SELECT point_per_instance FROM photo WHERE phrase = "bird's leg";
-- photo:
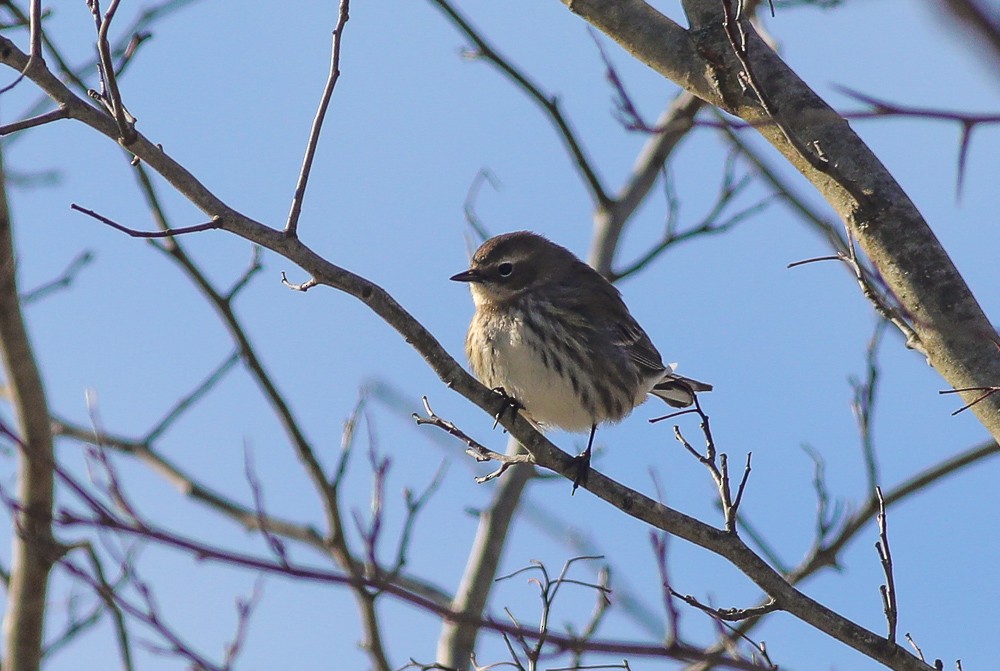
(581, 462)
(510, 404)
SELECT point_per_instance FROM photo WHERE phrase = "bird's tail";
(678, 391)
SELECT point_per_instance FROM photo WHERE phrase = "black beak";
(470, 275)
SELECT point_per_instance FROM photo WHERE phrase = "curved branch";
(548, 103)
(108, 521)
(826, 554)
(546, 455)
(946, 317)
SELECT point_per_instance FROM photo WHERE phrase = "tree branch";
(548, 103)
(818, 142)
(457, 640)
(34, 548)
(543, 451)
(292, 225)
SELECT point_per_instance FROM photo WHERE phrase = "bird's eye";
(505, 269)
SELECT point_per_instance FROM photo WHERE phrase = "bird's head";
(513, 264)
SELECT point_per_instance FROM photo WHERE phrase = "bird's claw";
(581, 464)
(510, 404)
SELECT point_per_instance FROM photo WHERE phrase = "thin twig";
(244, 610)
(548, 103)
(717, 465)
(863, 404)
(874, 289)
(65, 279)
(469, 206)
(713, 223)
(110, 95)
(291, 227)
(274, 543)
(415, 504)
(35, 121)
(729, 614)
(256, 265)
(888, 590)
(215, 223)
(659, 543)
(984, 392)
(303, 287)
(476, 450)
(967, 122)
(192, 397)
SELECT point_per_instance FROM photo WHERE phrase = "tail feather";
(678, 391)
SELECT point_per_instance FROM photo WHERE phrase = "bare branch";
(826, 551)
(967, 122)
(414, 505)
(659, 543)
(676, 121)
(303, 287)
(34, 548)
(548, 103)
(244, 609)
(888, 590)
(863, 404)
(207, 226)
(874, 289)
(256, 265)
(984, 392)
(718, 469)
(191, 398)
(712, 223)
(978, 16)
(65, 279)
(105, 591)
(107, 520)
(291, 227)
(476, 450)
(728, 614)
(469, 207)
(35, 121)
(890, 229)
(544, 453)
(110, 96)
(187, 484)
(273, 542)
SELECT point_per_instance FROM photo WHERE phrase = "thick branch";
(945, 315)
(34, 548)
(610, 219)
(458, 639)
(544, 452)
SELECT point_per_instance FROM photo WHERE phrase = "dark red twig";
(215, 223)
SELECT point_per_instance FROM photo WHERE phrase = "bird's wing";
(606, 314)
(640, 348)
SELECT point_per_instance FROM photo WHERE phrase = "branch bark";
(34, 547)
(458, 638)
(953, 331)
(721, 542)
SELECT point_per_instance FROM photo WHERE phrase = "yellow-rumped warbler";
(555, 336)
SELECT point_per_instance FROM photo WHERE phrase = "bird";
(554, 336)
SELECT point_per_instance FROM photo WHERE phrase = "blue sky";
(231, 93)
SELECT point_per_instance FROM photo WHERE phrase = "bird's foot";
(509, 404)
(581, 464)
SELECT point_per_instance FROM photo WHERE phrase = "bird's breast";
(549, 376)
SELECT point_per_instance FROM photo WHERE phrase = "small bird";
(553, 335)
